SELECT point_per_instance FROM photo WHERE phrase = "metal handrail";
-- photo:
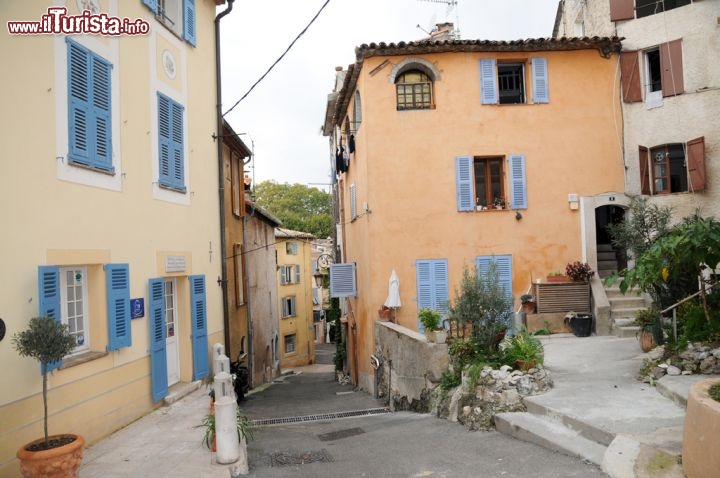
(680, 302)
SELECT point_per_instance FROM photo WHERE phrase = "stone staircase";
(622, 306)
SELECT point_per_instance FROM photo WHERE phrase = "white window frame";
(653, 99)
(65, 315)
(288, 307)
(170, 14)
(170, 291)
(294, 343)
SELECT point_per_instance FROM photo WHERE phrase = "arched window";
(414, 90)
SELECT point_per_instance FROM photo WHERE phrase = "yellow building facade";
(110, 211)
(295, 284)
(457, 153)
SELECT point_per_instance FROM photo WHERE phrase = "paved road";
(166, 443)
(383, 444)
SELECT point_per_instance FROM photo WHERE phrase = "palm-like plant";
(46, 340)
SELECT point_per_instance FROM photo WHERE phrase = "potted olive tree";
(47, 340)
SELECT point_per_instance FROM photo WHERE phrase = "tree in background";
(299, 207)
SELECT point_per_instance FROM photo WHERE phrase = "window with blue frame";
(177, 15)
(481, 184)
(89, 109)
(171, 143)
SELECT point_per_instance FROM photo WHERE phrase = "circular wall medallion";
(168, 63)
(92, 5)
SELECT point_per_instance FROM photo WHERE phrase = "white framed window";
(73, 296)
(290, 274)
(291, 248)
(170, 306)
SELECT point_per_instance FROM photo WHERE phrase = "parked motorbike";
(241, 377)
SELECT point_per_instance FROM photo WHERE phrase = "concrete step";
(626, 331)
(606, 256)
(604, 265)
(624, 322)
(551, 434)
(627, 302)
(614, 291)
(622, 313)
(603, 273)
(605, 248)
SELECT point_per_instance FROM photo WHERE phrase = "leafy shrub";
(430, 319)
(449, 380)
(579, 271)
(715, 392)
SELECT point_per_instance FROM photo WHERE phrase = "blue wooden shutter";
(101, 105)
(488, 81)
(89, 118)
(198, 308)
(158, 357)
(49, 298)
(152, 5)
(117, 279)
(189, 21)
(282, 275)
(283, 303)
(541, 91)
(297, 274)
(518, 182)
(503, 266)
(342, 280)
(431, 277)
(170, 132)
(464, 183)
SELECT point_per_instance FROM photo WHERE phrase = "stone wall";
(410, 367)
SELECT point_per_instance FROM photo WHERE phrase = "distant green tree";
(299, 207)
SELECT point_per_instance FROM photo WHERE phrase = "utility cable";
(279, 58)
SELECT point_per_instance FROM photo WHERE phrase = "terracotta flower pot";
(59, 462)
(647, 340)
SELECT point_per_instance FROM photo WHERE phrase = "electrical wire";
(279, 58)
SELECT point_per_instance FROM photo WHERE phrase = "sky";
(282, 117)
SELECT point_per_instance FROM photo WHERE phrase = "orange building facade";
(455, 153)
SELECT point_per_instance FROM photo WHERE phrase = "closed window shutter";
(696, 164)
(284, 307)
(282, 275)
(503, 267)
(117, 279)
(199, 326)
(152, 5)
(671, 68)
(630, 76)
(541, 89)
(297, 274)
(292, 306)
(488, 81)
(431, 276)
(89, 121)
(189, 21)
(622, 10)
(342, 280)
(644, 170)
(518, 183)
(158, 357)
(170, 132)
(49, 299)
(464, 183)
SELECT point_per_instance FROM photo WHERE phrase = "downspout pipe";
(221, 177)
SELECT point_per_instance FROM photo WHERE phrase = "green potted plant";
(523, 350)
(47, 340)
(430, 320)
(244, 429)
(579, 271)
(528, 303)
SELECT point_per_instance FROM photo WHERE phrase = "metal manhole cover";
(349, 432)
(289, 459)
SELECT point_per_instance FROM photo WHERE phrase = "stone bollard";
(226, 437)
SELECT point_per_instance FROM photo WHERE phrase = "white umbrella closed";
(393, 299)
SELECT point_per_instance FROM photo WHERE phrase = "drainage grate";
(289, 459)
(316, 418)
(348, 432)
